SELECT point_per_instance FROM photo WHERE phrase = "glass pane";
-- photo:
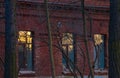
(25, 54)
(22, 33)
(25, 37)
(22, 39)
(98, 39)
(99, 51)
(29, 40)
(28, 33)
(67, 38)
(67, 42)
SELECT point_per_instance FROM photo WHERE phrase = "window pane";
(99, 51)
(67, 45)
(25, 50)
(67, 38)
(98, 39)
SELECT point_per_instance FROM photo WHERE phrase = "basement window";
(25, 51)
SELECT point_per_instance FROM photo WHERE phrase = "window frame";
(74, 48)
(104, 49)
(32, 50)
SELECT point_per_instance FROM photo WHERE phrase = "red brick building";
(68, 36)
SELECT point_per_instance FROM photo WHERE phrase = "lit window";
(67, 44)
(25, 54)
(98, 39)
(67, 40)
(99, 53)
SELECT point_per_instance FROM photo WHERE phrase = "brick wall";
(34, 19)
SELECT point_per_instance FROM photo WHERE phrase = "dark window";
(25, 50)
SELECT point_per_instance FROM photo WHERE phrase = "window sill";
(67, 73)
(26, 73)
(101, 72)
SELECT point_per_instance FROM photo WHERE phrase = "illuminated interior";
(25, 37)
(98, 39)
(67, 40)
(25, 50)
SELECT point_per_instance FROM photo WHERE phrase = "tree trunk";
(114, 39)
(91, 74)
(50, 40)
(10, 40)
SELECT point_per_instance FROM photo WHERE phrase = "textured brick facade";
(31, 16)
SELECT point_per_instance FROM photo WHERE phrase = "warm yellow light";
(25, 37)
(29, 46)
(67, 40)
(22, 39)
(29, 40)
(21, 33)
(29, 33)
(70, 48)
(98, 39)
